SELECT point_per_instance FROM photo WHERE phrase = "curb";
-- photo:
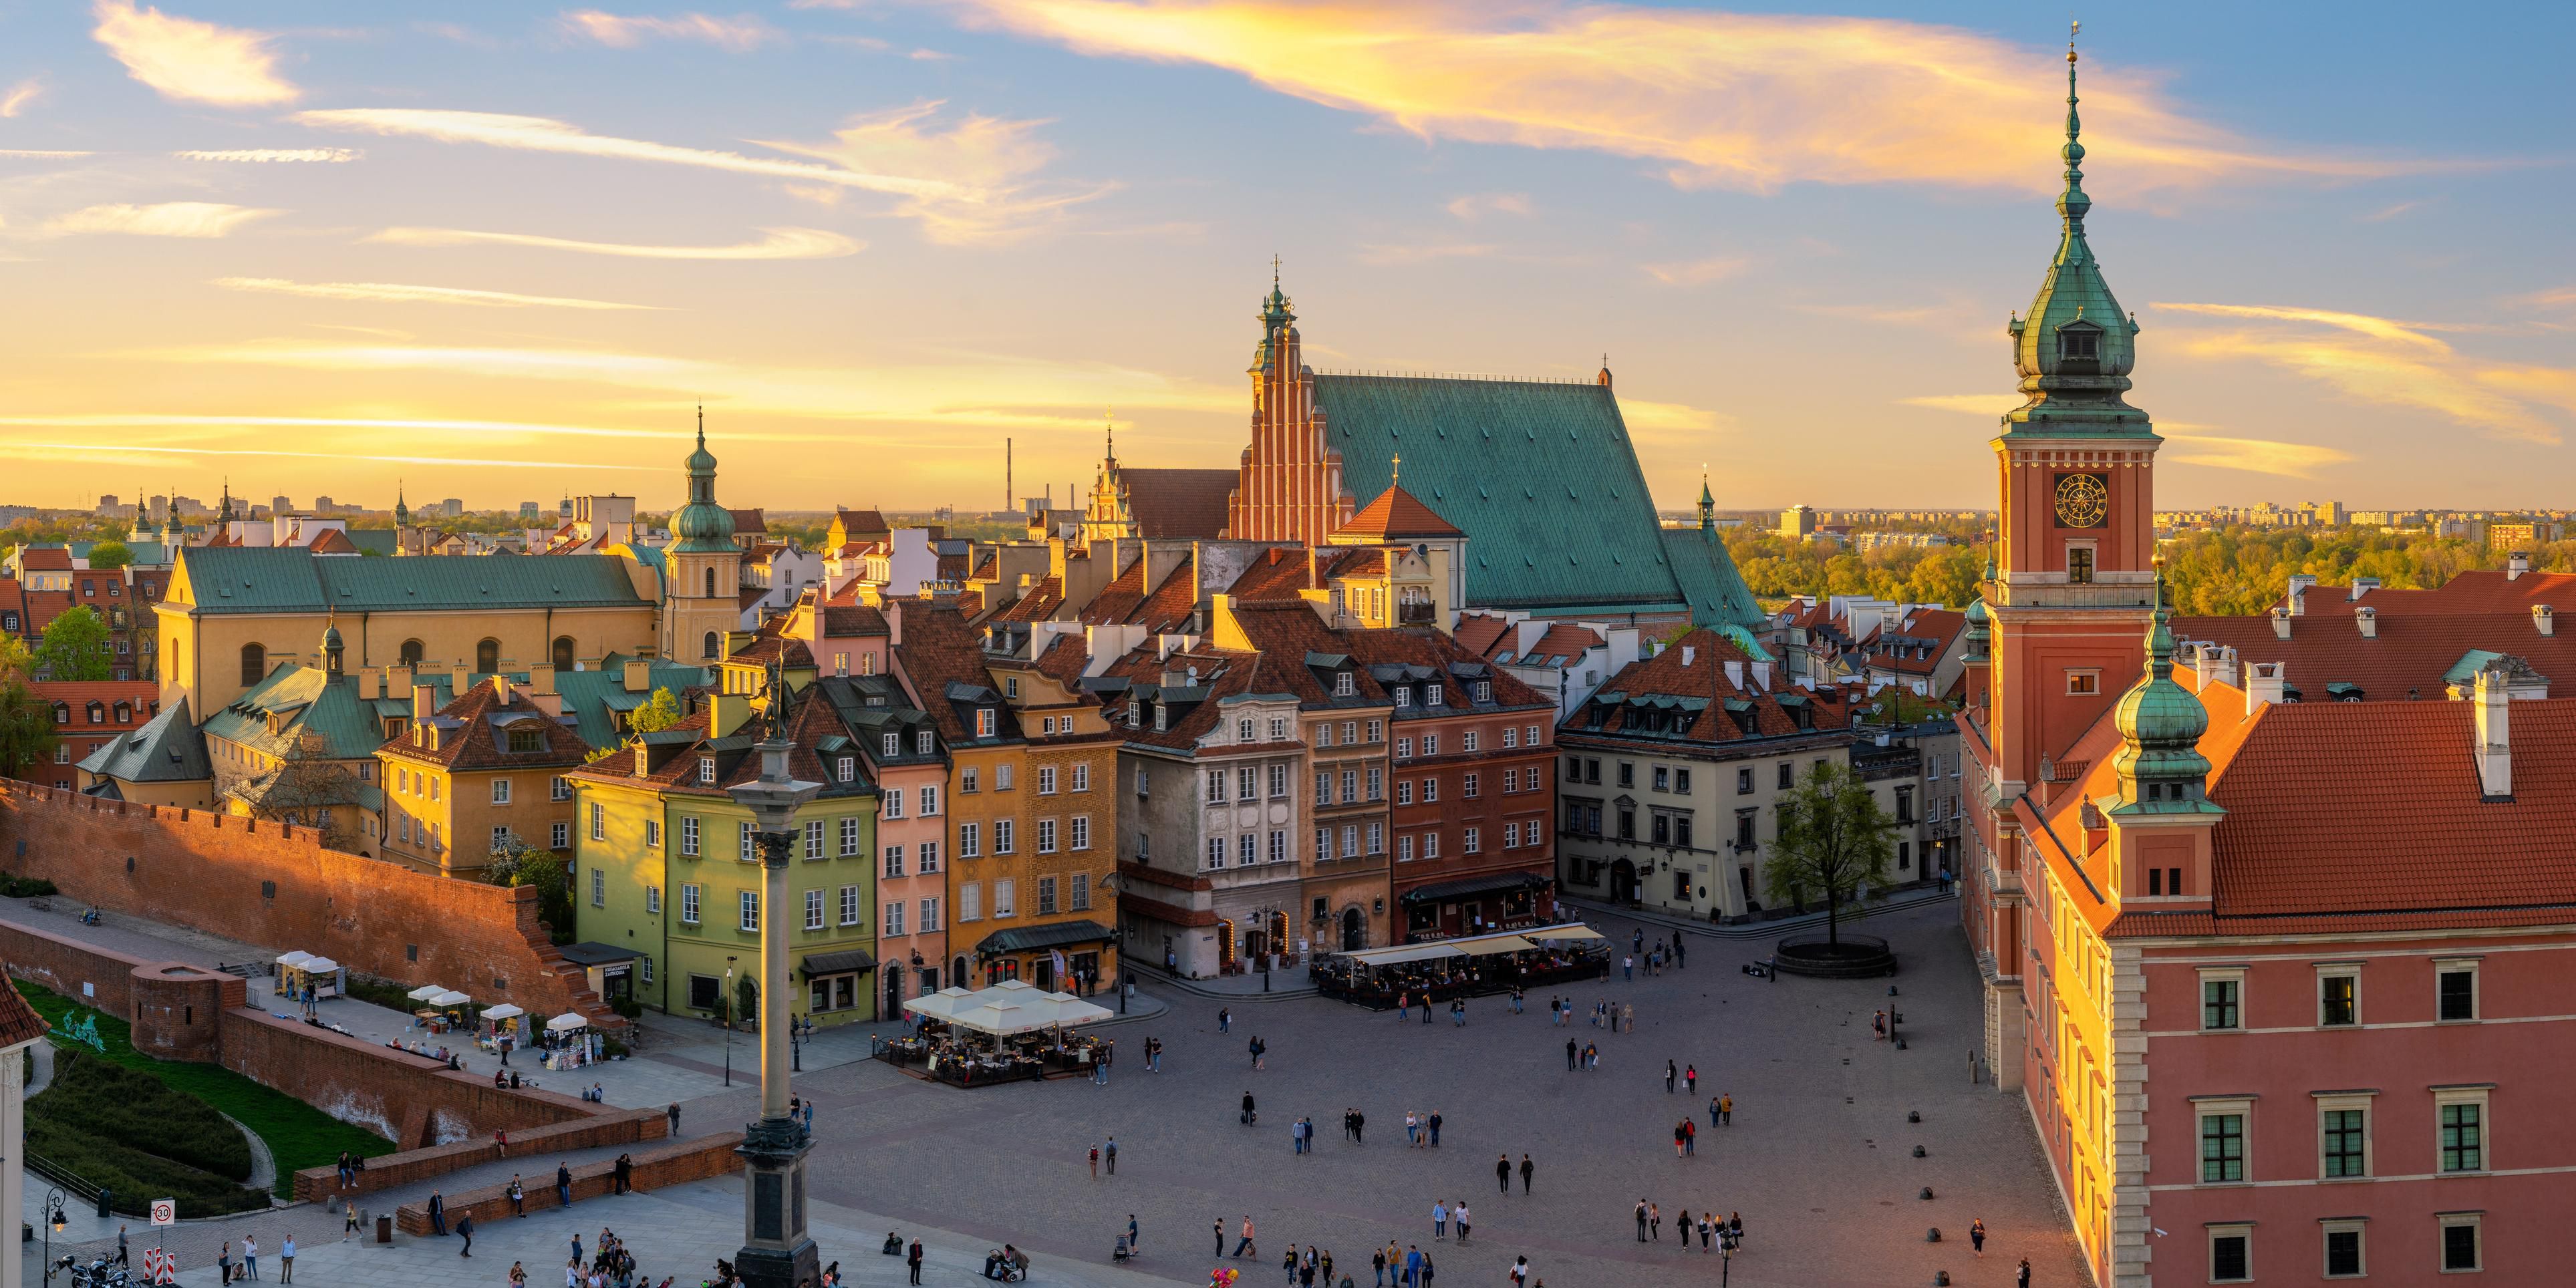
(1196, 989)
(1762, 929)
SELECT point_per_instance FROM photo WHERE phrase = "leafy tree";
(1834, 840)
(746, 1002)
(661, 713)
(15, 657)
(27, 733)
(516, 863)
(75, 646)
(109, 555)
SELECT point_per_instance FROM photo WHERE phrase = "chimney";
(2298, 594)
(1762, 676)
(2264, 682)
(371, 682)
(2281, 621)
(732, 709)
(460, 677)
(1689, 652)
(2516, 564)
(398, 682)
(424, 702)
(639, 676)
(1734, 673)
(501, 689)
(2367, 618)
(2362, 586)
(2495, 744)
(541, 678)
(2544, 619)
(2227, 665)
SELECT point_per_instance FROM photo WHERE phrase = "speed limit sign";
(165, 1211)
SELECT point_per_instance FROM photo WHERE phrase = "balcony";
(1417, 613)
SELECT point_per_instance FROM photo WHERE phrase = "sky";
(501, 251)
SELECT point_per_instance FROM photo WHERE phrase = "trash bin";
(384, 1229)
(102, 1205)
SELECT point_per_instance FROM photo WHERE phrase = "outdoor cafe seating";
(1444, 970)
(1010, 1032)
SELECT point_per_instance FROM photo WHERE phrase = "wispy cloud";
(1697, 272)
(1746, 101)
(93, 453)
(40, 153)
(2556, 297)
(740, 34)
(965, 183)
(186, 59)
(167, 219)
(264, 156)
(2254, 455)
(1477, 205)
(170, 420)
(781, 243)
(396, 293)
(2392, 211)
(2390, 363)
(16, 98)
(1972, 404)
(1401, 253)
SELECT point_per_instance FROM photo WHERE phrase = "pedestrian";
(1503, 1173)
(1289, 1264)
(1248, 1115)
(1570, 1052)
(1377, 1263)
(1359, 1128)
(624, 1174)
(1655, 1221)
(1690, 1080)
(224, 1262)
(1220, 1236)
(1671, 1072)
(1526, 1169)
(1690, 1137)
(285, 1258)
(1628, 968)
(1095, 1162)
(1677, 1138)
(1517, 997)
(518, 1275)
(518, 1196)
(1977, 1235)
(1099, 1070)
(2022, 1280)
(465, 1228)
(1412, 1128)
(563, 1184)
(1439, 1221)
(1435, 1129)
(120, 1246)
(1520, 1272)
(250, 1257)
(1413, 1264)
(1704, 1227)
(1224, 1020)
(1641, 1220)
(1678, 963)
(1134, 1243)
(349, 1224)
(1246, 1245)
(1460, 1212)
(1403, 1003)
(912, 1259)
(1629, 1012)
(1878, 1026)
(1113, 1156)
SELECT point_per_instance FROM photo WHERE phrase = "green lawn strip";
(297, 1134)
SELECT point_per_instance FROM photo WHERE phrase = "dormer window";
(849, 768)
(1011, 687)
(1484, 691)
(921, 743)
(1243, 730)
(1342, 685)
(706, 769)
(2080, 340)
(526, 740)
(983, 722)
(1403, 696)
(893, 742)
(1431, 695)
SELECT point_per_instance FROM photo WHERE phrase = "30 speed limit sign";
(165, 1211)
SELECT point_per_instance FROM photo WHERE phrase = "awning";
(840, 963)
(1490, 883)
(321, 966)
(593, 953)
(451, 998)
(1501, 944)
(294, 960)
(1020, 939)
(1563, 932)
(1404, 953)
(426, 992)
(567, 1022)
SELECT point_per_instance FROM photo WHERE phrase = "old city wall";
(674, 1164)
(270, 883)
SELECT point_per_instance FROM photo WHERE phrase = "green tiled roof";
(1543, 479)
(312, 702)
(255, 579)
(1706, 572)
(167, 749)
(380, 540)
(591, 695)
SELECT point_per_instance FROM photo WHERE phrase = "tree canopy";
(27, 733)
(108, 556)
(657, 715)
(74, 646)
(1835, 842)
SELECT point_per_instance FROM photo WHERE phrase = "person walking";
(1412, 1129)
(2022, 1279)
(1641, 1220)
(1671, 1072)
(1435, 1129)
(1403, 1004)
(1113, 1155)
(120, 1246)
(1690, 1081)
(1256, 1048)
(912, 1258)
(1712, 1111)
(1246, 1244)
(1439, 1221)
(224, 1263)
(563, 1184)
(1628, 968)
(1517, 998)
(1977, 1235)
(1520, 1272)
(1359, 1128)
(1413, 1262)
(1630, 1013)
(1224, 1020)
(1248, 1117)
(1690, 1137)
(1726, 1108)
(465, 1228)
(285, 1260)
(1677, 1137)
(1503, 1173)
(1460, 1212)
(1705, 1226)
(1677, 950)
(1655, 1222)
(625, 1170)
(1219, 1225)
(1095, 1162)
(1526, 1169)
(1571, 1050)
(1377, 1263)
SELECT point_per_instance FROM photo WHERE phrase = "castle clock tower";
(2070, 596)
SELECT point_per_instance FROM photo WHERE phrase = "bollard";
(1927, 1191)
(1918, 1151)
(1932, 1235)
(1913, 1116)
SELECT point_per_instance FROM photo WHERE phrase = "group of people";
(1603, 1014)
(1716, 1233)
(246, 1267)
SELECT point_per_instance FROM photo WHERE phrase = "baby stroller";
(1122, 1251)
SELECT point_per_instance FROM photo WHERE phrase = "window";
(892, 745)
(1468, 842)
(1467, 785)
(1376, 731)
(2462, 1113)
(1431, 744)
(1278, 781)
(814, 839)
(1323, 787)
(1404, 748)
(893, 807)
(970, 840)
(254, 664)
(1002, 840)
(1511, 836)
(706, 992)
(2222, 1142)
(750, 910)
(706, 769)
(927, 856)
(2343, 1250)
(1342, 684)
(1788, 776)
(849, 768)
(689, 904)
(560, 789)
(2079, 565)
(2461, 1245)
(970, 902)
(652, 901)
(1002, 777)
(2343, 1131)
(849, 836)
(1243, 730)
(921, 745)
(928, 920)
(1216, 787)
(1376, 784)
(1046, 896)
(598, 887)
(742, 832)
(849, 905)
(1430, 790)
(1663, 779)
(1278, 728)
(1350, 840)
(1046, 836)
(1002, 899)
(1377, 838)
(2338, 996)
(894, 860)
(559, 834)
(1278, 847)
(1403, 696)
(1011, 687)
(1432, 695)
(1529, 735)
(930, 802)
(2082, 683)
(598, 821)
(894, 916)
(1350, 786)
(1216, 852)
(1323, 845)
(487, 656)
(1404, 849)
(2455, 990)
(1081, 892)
(689, 837)
(2231, 1254)
(813, 910)
(1081, 778)
(1046, 780)
(2079, 343)
(2221, 999)
(983, 722)
(1744, 782)
(968, 779)
(1080, 832)
(1467, 741)
(1404, 791)
(1511, 737)
(1247, 849)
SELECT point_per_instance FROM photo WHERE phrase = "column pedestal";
(776, 1250)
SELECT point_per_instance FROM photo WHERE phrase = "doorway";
(893, 995)
(1354, 930)
(1623, 882)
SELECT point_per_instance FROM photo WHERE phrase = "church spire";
(1707, 499)
(2159, 762)
(2072, 203)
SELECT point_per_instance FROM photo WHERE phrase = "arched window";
(711, 583)
(487, 656)
(254, 663)
(563, 653)
(411, 652)
(708, 649)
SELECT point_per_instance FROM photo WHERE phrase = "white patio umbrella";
(567, 1022)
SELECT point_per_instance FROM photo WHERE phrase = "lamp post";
(725, 1005)
(53, 1212)
(776, 1252)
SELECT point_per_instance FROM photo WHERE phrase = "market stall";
(1440, 971)
(289, 982)
(569, 1042)
(498, 1027)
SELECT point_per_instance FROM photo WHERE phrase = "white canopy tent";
(505, 1011)
(426, 992)
(567, 1022)
(294, 960)
(320, 966)
(451, 998)
(1070, 1011)
(1406, 953)
(999, 1018)
(1570, 930)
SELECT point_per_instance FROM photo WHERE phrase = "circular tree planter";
(1853, 957)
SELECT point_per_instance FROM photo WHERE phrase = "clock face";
(2082, 500)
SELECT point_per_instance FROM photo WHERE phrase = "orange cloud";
(18, 96)
(739, 34)
(168, 219)
(1714, 99)
(191, 60)
(398, 293)
(781, 243)
(2389, 362)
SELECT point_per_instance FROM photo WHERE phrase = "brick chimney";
(2544, 619)
(2281, 622)
(424, 702)
(2516, 564)
(2367, 618)
(2264, 682)
(2495, 743)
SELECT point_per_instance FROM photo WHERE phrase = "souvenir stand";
(290, 982)
(570, 1042)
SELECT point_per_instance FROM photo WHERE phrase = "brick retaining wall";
(692, 1160)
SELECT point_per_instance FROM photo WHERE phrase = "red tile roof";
(1936, 627)
(2485, 590)
(1694, 667)
(1398, 515)
(1563, 640)
(1126, 601)
(45, 559)
(2410, 652)
(1419, 647)
(477, 742)
(1482, 633)
(332, 542)
(1178, 503)
(748, 520)
(841, 621)
(19, 1023)
(1044, 597)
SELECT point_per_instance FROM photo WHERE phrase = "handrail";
(62, 1176)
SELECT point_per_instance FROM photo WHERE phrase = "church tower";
(1291, 484)
(1108, 517)
(701, 568)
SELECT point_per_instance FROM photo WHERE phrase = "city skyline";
(502, 255)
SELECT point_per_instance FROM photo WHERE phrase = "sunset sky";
(499, 251)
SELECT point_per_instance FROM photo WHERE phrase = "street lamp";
(776, 1252)
(725, 1007)
(53, 1210)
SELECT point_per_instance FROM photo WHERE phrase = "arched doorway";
(563, 653)
(254, 659)
(1225, 946)
(1279, 940)
(893, 995)
(1256, 941)
(1354, 930)
(1623, 882)
(411, 653)
(487, 656)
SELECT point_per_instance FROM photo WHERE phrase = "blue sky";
(498, 252)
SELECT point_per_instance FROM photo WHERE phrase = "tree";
(1834, 839)
(661, 713)
(516, 863)
(27, 733)
(308, 789)
(15, 657)
(75, 646)
(108, 556)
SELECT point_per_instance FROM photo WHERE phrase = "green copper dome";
(2159, 762)
(2075, 350)
(702, 526)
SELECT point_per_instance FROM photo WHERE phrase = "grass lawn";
(297, 1134)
